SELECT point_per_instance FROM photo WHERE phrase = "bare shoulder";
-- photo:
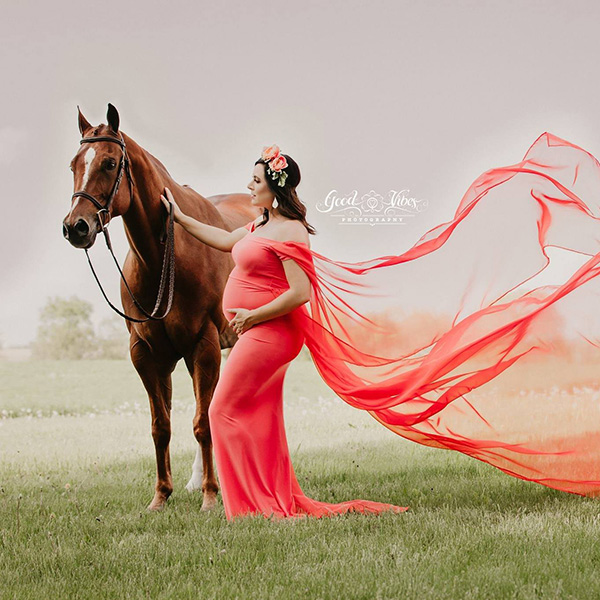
(295, 231)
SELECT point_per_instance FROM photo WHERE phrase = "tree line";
(66, 331)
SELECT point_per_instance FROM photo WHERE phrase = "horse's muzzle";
(79, 234)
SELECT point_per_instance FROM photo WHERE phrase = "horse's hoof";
(157, 504)
(209, 502)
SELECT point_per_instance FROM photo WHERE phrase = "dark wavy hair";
(289, 205)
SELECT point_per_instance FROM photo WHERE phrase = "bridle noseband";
(168, 238)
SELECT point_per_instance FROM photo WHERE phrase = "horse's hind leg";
(156, 377)
(195, 482)
(203, 364)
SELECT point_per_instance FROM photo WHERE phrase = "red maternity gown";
(420, 338)
(246, 413)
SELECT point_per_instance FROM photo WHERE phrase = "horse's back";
(235, 209)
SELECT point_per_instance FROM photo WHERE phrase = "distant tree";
(112, 341)
(65, 330)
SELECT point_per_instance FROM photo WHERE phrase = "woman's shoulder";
(295, 231)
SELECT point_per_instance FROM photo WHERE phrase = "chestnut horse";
(195, 328)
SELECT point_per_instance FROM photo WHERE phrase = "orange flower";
(270, 152)
(278, 163)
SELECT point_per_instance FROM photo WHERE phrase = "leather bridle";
(103, 216)
(123, 167)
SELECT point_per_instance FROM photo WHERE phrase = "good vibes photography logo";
(396, 207)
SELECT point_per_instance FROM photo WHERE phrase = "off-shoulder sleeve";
(281, 255)
(285, 251)
(249, 226)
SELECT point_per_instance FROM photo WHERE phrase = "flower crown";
(276, 164)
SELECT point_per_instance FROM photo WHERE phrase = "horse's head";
(98, 167)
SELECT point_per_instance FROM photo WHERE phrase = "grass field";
(77, 471)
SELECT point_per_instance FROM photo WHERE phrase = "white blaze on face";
(88, 158)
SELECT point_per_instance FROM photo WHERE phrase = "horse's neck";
(144, 220)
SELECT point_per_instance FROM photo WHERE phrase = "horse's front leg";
(156, 377)
(203, 364)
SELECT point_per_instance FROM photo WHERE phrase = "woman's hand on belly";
(280, 306)
(243, 320)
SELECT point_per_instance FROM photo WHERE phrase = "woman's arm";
(213, 236)
(297, 295)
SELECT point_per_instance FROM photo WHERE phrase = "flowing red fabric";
(416, 338)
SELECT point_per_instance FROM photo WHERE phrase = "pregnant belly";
(241, 293)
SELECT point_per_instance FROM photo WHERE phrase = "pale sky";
(377, 96)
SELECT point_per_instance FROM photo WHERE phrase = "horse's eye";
(110, 164)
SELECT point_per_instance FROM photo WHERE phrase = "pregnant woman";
(264, 301)
(411, 337)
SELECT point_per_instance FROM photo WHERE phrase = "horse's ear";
(112, 116)
(83, 123)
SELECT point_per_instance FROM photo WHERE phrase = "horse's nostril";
(81, 227)
(65, 232)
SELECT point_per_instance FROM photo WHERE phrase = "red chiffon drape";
(418, 338)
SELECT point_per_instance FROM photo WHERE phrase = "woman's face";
(262, 196)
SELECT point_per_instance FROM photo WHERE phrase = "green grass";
(74, 486)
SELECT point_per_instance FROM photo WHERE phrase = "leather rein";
(103, 216)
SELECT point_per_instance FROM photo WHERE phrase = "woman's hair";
(289, 205)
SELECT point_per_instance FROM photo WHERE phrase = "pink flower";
(270, 152)
(278, 163)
